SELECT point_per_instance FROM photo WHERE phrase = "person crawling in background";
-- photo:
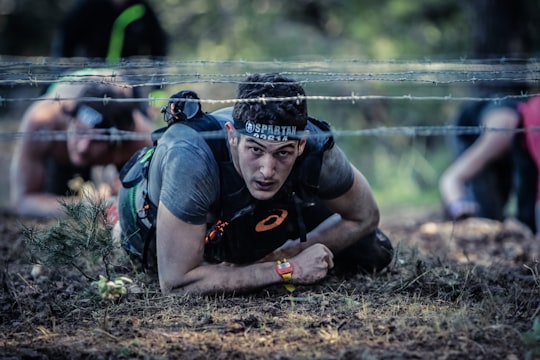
(492, 166)
(43, 169)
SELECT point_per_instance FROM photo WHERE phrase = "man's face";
(83, 148)
(264, 164)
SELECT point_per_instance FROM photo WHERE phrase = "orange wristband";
(285, 270)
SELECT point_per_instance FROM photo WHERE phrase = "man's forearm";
(451, 188)
(42, 205)
(307, 267)
(338, 233)
(226, 278)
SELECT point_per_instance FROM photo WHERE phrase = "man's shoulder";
(44, 115)
(180, 133)
(182, 139)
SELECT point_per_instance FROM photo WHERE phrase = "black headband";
(268, 132)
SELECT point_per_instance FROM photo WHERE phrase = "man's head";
(107, 111)
(270, 119)
(267, 135)
(92, 118)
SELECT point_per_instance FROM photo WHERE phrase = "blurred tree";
(270, 29)
(111, 30)
(501, 28)
(26, 25)
(506, 30)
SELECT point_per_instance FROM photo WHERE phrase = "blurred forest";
(334, 37)
(281, 29)
(302, 29)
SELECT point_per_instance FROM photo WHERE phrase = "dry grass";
(432, 304)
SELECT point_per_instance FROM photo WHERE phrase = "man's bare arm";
(357, 215)
(489, 146)
(180, 248)
(27, 183)
(28, 168)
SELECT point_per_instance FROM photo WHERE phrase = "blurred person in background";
(44, 170)
(110, 30)
(492, 165)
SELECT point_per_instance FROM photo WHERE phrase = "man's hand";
(462, 209)
(312, 264)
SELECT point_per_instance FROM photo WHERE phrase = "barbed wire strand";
(410, 131)
(31, 71)
(353, 97)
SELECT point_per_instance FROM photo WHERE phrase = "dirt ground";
(468, 290)
(454, 291)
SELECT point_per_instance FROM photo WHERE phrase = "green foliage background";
(310, 35)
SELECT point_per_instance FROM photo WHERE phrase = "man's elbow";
(18, 210)
(166, 289)
(18, 206)
(168, 286)
(374, 218)
(170, 289)
(30, 206)
(175, 287)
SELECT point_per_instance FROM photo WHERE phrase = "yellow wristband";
(285, 270)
